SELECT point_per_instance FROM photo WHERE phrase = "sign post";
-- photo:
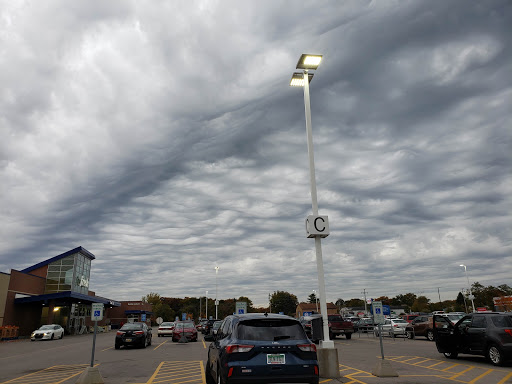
(96, 314)
(383, 368)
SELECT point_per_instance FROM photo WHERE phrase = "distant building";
(305, 309)
(55, 290)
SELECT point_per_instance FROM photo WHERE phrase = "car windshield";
(166, 324)
(46, 327)
(270, 330)
(502, 321)
(131, 327)
(400, 321)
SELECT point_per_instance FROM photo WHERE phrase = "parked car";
(337, 326)
(166, 329)
(422, 326)
(409, 318)
(364, 324)
(454, 317)
(48, 332)
(261, 348)
(200, 326)
(208, 326)
(488, 334)
(392, 327)
(133, 334)
(216, 327)
(184, 327)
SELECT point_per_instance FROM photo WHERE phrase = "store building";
(53, 291)
(130, 311)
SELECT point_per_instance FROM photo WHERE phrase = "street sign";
(241, 307)
(96, 311)
(378, 312)
(307, 313)
(159, 320)
(143, 317)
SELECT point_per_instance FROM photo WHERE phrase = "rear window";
(270, 330)
(131, 327)
(334, 317)
(399, 321)
(502, 321)
(166, 324)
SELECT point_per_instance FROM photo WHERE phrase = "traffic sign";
(241, 307)
(97, 311)
(378, 312)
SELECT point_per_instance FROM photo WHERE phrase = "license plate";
(275, 358)
(128, 340)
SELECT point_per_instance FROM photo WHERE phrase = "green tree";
(421, 304)
(312, 298)
(354, 303)
(163, 310)
(151, 298)
(340, 303)
(285, 302)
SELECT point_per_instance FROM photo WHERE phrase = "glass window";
(270, 330)
(478, 322)
(502, 321)
(70, 260)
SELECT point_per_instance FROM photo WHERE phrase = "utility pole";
(439, 294)
(365, 306)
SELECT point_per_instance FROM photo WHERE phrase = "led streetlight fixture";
(308, 61)
(297, 79)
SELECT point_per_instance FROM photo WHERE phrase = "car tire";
(410, 335)
(150, 339)
(51, 337)
(451, 355)
(495, 355)
(117, 346)
(62, 335)
(430, 335)
(144, 343)
(348, 336)
(376, 333)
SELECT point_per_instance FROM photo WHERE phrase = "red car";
(186, 327)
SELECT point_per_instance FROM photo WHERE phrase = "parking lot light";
(471, 297)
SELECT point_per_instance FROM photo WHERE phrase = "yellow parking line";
(51, 373)
(106, 349)
(461, 373)
(482, 375)
(450, 367)
(504, 380)
(159, 345)
(156, 372)
(433, 365)
(204, 344)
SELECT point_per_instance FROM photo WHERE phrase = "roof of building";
(81, 250)
(67, 296)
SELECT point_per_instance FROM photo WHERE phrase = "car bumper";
(303, 372)
(130, 341)
(41, 337)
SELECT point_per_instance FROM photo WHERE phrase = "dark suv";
(487, 333)
(261, 348)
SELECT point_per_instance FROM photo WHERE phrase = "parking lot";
(62, 361)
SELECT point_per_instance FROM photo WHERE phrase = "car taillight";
(119, 333)
(230, 372)
(316, 370)
(395, 325)
(307, 347)
(139, 332)
(509, 331)
(234, 348)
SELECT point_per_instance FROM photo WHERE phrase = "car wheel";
(410, 335)
(430, 335)
(451, 355)
(144, 343)
(62, 335)
(495, 355)
(376, 333)
(332, 336)
(150, 339)
(51, 337)
(117, 346)
(348, 336)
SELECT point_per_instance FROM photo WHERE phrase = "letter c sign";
(317, 226)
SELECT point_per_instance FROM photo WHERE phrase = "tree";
(421, 304)
(355, 303)
(312, 298)
(285, 302)
(384, 299)
(151, 298)
(340, 303)
(163, 310)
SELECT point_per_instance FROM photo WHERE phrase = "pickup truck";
(337, 326)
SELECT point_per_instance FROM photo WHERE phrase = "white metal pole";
(326, 343)
(206, 304)
(469, 287)
(216, 290)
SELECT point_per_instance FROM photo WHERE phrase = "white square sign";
(97, 311)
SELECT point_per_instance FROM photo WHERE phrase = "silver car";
(48, 332)
(392, 327)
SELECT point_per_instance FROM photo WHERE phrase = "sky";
(164, 138)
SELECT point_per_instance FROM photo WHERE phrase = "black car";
(261, 348)
(207, 327)
(135, 334)
(486, 333)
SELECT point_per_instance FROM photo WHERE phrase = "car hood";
(43, 331)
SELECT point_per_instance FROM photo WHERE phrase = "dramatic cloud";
(165, 140)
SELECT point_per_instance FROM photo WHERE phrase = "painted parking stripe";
(55, 375)
(175, 372)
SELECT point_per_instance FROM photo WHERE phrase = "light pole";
(471, 297)
(316, 300)
(206, 304)
(311, 62)
(216, 289)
